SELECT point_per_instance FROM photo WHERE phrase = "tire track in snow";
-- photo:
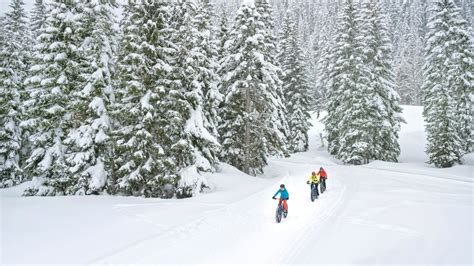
(172, 232)
(320, 218)
(309, 236)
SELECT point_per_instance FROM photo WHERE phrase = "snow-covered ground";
(378, 213)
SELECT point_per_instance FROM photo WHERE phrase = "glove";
(307, 182)
(288, 199)
(273, 197)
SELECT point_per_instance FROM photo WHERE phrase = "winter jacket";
(314, 179)
(284, 194)
(323, 174)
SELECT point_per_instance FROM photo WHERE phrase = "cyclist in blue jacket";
(284, 196)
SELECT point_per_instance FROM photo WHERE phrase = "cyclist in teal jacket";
(284, 196)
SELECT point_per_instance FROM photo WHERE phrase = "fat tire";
(278, 215)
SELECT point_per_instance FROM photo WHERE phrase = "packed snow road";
(245, 230)
(378, 213)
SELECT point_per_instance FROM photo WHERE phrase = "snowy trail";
(248, 220)
(379, 213)
(245, 230)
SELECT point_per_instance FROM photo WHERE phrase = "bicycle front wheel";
(313, 195)
(278, 215)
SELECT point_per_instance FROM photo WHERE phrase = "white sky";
(5, 6)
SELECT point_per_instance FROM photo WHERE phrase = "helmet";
(313, 173)
(321, 168)
(282, 185)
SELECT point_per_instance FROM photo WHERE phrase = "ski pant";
(285, 205)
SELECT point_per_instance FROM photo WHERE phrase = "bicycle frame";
(280, 210)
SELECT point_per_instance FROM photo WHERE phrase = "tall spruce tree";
(295, 86)
(37, 17)
(251, 98)
(278, 140)
(14, 57)
(348, 122)
(207, 56)
(54, 77)
(322, 61)
(141, 165)
(38, 20)
(195, 94)
(448, 85)
(409, 68)
(385, 114)
(223, 33)
(462, 74)
(87, 143)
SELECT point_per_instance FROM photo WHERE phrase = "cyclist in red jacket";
(323, 176)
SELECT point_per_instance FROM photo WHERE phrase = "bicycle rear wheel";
(323, 187)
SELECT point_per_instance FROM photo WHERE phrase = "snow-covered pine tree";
(323, 62)
(207, 56)
(222, 33)
(193, 96)
(54, 76)
(87, 146)
(466, 9)
(2, 28)
(385, 113)
(141, 164)
(265, 10)
(37, 18)
(462, 74)
(295, 86)
(277, 140)
(250, 103)
(409, 71)
(348, 123)
(448, 85)
(14, 56)
(163, 142)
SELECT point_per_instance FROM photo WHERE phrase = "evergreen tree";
(14, 57)
(37, 23)
(251, 102)
(385, 114)
(409, 69)
(87, 146)
(222, 34)
(141, 166)
(195, 93)
(37, 18)
(265, 10)
(277, 142)
(461, 77)
(54, 77)
(448, 85)
(163, 142)
(348, 123)
(207, 56)
(295, 86)
(323, 62)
